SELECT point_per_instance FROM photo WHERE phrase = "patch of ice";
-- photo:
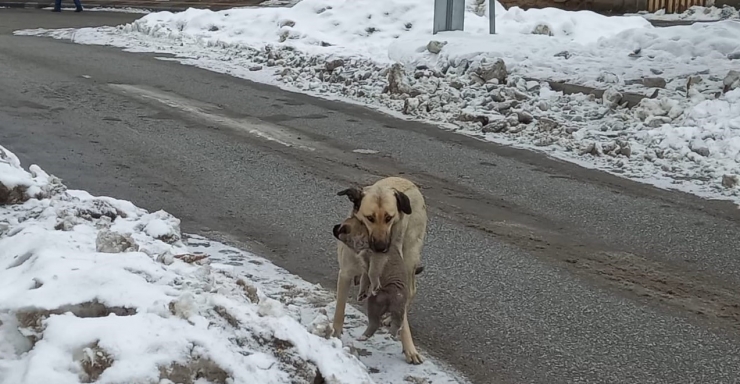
(365, 151)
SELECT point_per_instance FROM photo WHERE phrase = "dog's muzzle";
(379, 246)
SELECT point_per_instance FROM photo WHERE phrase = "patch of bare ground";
(195, 369)
(33, 318)
(14, 195)
(249, 290)
(94, 360)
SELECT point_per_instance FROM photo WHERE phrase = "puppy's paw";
(362, 338)
(386, 320)
(374, 291)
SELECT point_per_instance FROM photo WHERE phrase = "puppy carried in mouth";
(385, 278)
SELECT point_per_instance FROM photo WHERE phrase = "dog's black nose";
(380, 247)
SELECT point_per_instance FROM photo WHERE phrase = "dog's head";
(379, 208)
(353, 233)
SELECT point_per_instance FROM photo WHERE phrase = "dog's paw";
(362, 338)
(413, 357)
(337, 332)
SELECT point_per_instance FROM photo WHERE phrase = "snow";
(95, 289)
(348, 50)
(695, 13)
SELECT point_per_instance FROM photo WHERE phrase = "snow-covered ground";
(382, 53)
(95, 289)
(695, 13)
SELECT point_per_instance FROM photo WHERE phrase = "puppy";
(385, 278)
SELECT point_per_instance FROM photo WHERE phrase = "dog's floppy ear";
(403, 202)
(354, 195)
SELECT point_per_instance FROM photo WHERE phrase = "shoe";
(78, 9)
(56, 10)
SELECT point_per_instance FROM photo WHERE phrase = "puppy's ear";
(403, 202)
(354, 195)
(338, 229)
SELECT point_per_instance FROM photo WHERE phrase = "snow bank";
(382, 54)
(96, 289)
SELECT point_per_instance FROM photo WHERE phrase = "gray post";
(492, 17)
(449, 15)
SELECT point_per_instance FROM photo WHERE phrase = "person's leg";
(57, 6)
(78, 6)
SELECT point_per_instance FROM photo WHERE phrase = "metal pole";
(440, 16)
(456, 8)
(492, 17)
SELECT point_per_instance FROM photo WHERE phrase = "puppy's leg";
(364, 287)
(343, 284)
(374, 272)
(375, 309)
(409, 349)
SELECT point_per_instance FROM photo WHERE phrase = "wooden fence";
(672, 6)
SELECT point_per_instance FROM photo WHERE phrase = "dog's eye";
(388, 218)
(370, 219)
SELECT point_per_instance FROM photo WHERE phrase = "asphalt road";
(537, 271)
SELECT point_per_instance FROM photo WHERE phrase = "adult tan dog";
(394, 211)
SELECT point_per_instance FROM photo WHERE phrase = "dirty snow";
(695, 13)
(95, 289)
(381, 53)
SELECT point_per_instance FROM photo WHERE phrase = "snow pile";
(696, 13)
(17, 185)
(95, 289)
(708, 135)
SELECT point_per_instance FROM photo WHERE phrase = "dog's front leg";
(409, 349)
(343, 284)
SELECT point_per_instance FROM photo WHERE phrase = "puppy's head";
(379, 208)
(352, 233)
